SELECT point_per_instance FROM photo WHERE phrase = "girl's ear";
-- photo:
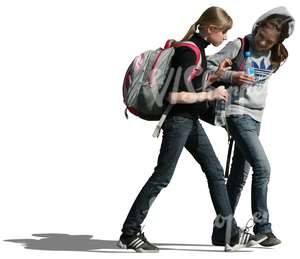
(211, 29)
(197, 28)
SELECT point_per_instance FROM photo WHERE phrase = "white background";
(71, 163)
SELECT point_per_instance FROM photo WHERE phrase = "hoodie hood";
(278, 10)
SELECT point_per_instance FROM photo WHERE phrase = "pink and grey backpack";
(147, 80)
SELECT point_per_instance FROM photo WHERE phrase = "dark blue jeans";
(249, 152)
(180, 132)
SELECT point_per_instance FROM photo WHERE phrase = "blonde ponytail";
(211, 16)
(190, 32)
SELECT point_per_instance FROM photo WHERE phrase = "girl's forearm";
(187, 97)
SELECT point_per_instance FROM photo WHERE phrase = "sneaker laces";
(248, 226)
(245, 235)
(141, 235)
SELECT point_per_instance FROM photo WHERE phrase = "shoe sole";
(251, 243)
(236, 247)
(121, 245)
(272, 244)
(218, 243)
(254, 243)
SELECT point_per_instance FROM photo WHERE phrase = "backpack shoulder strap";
(245, 43)
(239, 59)
(241, 50)
(198, 62)
(197, 52)
(162, 120)
(193, 47)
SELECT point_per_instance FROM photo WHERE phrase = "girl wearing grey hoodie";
(244, 112)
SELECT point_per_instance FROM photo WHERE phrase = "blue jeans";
(180, 132)
(249, 152)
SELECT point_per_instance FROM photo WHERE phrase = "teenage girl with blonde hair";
(183, 129)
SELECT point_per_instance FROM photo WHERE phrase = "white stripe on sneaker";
(247, 238)
(138, 244)
(134, 241)
(243, 241)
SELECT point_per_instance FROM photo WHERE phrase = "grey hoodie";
(248, 99)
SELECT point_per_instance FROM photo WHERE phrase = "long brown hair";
(281, 24)
(211, 16)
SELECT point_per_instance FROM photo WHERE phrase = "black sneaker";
(242, 239)
(271, 240)
(137, 242)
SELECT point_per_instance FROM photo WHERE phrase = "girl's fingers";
(228, 61)
(223, 96)
(225, 64)
(246, 77)
(246, 80)
(226, 97)
(227, 68)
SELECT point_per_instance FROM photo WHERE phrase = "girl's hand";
(223, 66)
(242, 78)
(219, 93)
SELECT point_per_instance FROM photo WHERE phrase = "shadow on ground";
(86, 243)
